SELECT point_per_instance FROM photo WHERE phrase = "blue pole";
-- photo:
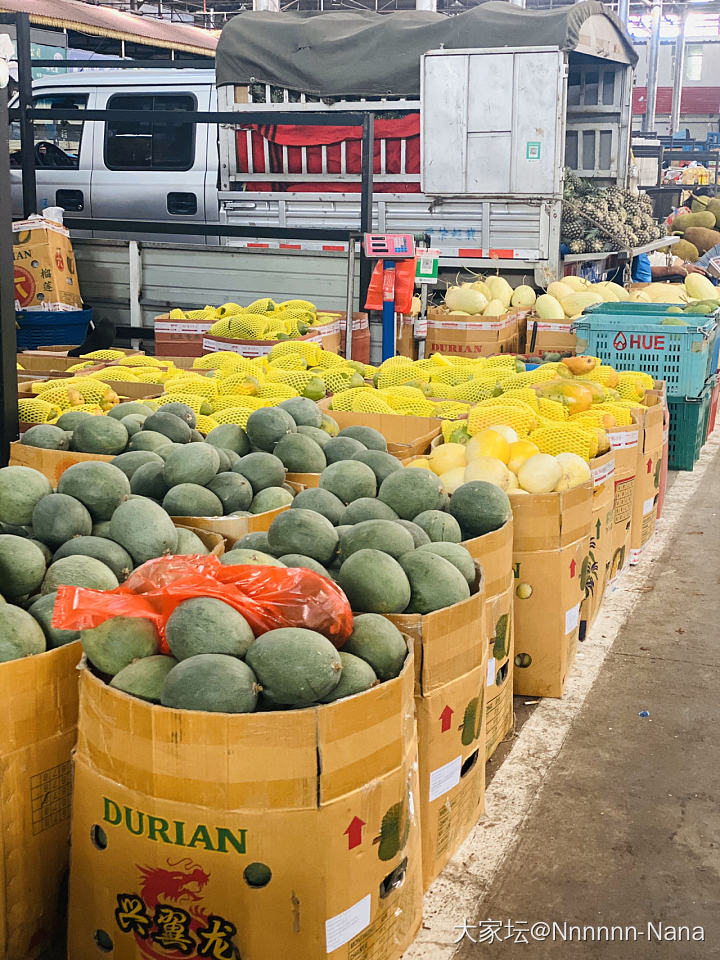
(388, 325)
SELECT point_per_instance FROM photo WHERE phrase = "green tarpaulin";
(370, 54)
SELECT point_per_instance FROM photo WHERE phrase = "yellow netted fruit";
(221, 328)
(523, 393)
(239, 384)
(296, 305)
(452, 375)
(344, 399)
(394, 376)
(298, 379)
(603, 374)
(472, 391)
(120, 374)
(291, 361)
(521, 417)
(623, 414)
(594, 418)
(140, 361)
(325, 358)
(34, 410)
(239, 415)
(76, 366)
(564, 438)
(90, 389)
(277, 392)
(193, 400)
(177, 314)
(90, 408)
(306, 349)
(336, 380)
(154, 377)
(249, 403)
(640, 375)
(203, 386)
(443, 391)
(552, 409)
(415, 408)
(206, 424)
(105, 355)
(367, 401)
(398, 361)
(450, 410)
(228, 309)
(222, 360)
(505, 361)
(527, 379)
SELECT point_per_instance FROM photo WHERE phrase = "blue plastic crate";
(630, 339)
(43, 328)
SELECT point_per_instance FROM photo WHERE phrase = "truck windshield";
(57, 142)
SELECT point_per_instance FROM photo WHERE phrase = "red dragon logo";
(181, 885)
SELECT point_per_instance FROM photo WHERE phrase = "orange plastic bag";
(268, 597)
(381, 283)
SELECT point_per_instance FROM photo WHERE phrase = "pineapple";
(577, 246)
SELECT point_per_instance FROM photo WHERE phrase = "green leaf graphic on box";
(500, 648)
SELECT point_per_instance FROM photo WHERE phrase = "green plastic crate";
(688, 427)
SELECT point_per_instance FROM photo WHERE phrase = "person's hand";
(693, 268)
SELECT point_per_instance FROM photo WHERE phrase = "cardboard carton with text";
(283, 834)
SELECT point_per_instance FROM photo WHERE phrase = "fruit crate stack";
(676, 345)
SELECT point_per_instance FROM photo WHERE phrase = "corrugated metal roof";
(105, 22)
(694, 101)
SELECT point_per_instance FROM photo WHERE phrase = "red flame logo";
(620, 341)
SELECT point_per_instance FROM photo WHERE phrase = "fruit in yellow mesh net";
(121, 374)
(526, 394)
(520, 451)
(422, 463)
(105, 355)
(540, 473)
(365, 401)
(75, 366)
(521, 418)
(449, 410)
(452, 479)
(488, 443)
(565, 438)
(575, 471)
(552, 410)
(277, 391)
(489, 469)
(195, 401)
(34, 410)
(606, 375)
(446, 456)
(344, 400)
(394, 376)
(206, 424)
(575, 396)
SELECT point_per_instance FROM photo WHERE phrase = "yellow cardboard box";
(45, 273)
(499, 709)
(551, 557)
(38, 718)
(647, 483)
(281, 834)
(450, 671)
(601, 539)
(624, 447)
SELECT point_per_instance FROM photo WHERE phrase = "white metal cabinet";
(492, 122)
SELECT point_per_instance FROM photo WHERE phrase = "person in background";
(701, 265)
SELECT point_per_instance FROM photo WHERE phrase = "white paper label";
(572, 618)
(445, 778)
(247, 348)
(179, 326)
(550, 326)
(602, 473)
(491, 672)
(648, 505)
(622, 439)
(635, 556)
(341, 928)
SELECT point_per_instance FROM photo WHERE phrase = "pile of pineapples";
(597, 219)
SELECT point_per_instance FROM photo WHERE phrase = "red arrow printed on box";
(573, 567)
(354, 832)
(446, 719)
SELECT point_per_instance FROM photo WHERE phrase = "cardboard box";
(601, 539)
(624, 446)
(183, 338)
(38, 721)
(550, 336)
(551, 555)
(494, 552)
(45, 273)
(651, 442)
(405, 343)
(277, 834)
(499, 712)
(360, 341)
(214, 542)
(665, 460)
(406, 436)
(480, 338)
(232, 529)
(251, 348)
(53, 463)
(450, 651)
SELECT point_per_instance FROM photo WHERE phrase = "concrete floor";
(618, 824)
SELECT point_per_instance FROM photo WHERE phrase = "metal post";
(350, 299)
(8, 340)
(366, 200)
(388, 314)
(27, 133)
(679, 73)
(135, 276)
(624, 12)
(653, 58)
